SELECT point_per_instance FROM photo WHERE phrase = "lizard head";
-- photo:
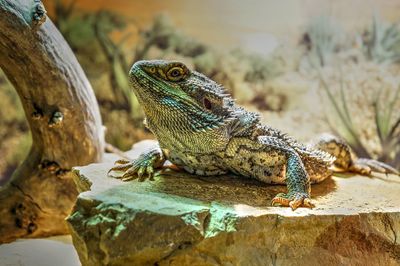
(174, 96)
(187, 107)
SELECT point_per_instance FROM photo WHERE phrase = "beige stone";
(51, 251)
(180, 219)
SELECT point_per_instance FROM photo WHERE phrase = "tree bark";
(63, 116)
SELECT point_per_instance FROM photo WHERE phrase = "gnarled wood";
(63, 116)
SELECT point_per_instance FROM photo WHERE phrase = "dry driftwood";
(63, 116)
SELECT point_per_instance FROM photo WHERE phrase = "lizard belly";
(266, 166)
(199, 164)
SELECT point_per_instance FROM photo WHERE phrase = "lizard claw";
(122, 161)
(140, 173)
(140, 168)
(119, 167)
(134, 170)
(293, 200)
(130, 174)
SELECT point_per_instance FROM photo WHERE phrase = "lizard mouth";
(134, 73)
(142, 84)
(135, 85)
(149, 90)
(134, 80)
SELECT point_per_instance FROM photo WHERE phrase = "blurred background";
(307, 66)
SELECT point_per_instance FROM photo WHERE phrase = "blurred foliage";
(329, 47)
(341, 110)
(382, 41)
(260, 68)
(14, 132)
(384, 104)
(121, 132)
(11, 111)
(236, 69)
(323, 38)
(166, 37)
(388, 127)
(105, 23)
(88, 34)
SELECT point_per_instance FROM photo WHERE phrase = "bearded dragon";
(201, 130)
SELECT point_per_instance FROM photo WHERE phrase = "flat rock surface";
(180, 219)
(49, 251)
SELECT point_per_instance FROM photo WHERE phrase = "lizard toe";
(308, 203)
(141, 174)
(120, 167)
(377, 166)
(150, 172)
(122, 161)
(130, 174)
(280, 200)
(294, 204)
(361, 169)
(293, 200)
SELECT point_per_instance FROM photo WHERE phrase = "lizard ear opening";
(207, 104)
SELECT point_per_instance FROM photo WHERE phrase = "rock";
(56, 250)
(180, 219)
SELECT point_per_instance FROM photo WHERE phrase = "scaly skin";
(200, 129)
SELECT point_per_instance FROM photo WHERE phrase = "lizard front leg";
(264, 158)
(141, 167)
(298, 184)
(297, 179)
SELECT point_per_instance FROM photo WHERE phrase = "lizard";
(201, 130)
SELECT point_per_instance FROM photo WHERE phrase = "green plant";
(104, 24)
(88, 34)
(262, 68)
(322, 38)
(387, 130)
(382, 41)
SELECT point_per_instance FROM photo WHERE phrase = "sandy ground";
(39, 252)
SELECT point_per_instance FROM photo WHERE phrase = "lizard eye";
(207, 103)
(175, 74)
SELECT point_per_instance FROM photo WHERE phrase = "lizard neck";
(205, 141)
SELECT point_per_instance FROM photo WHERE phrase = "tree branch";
(63, 116)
